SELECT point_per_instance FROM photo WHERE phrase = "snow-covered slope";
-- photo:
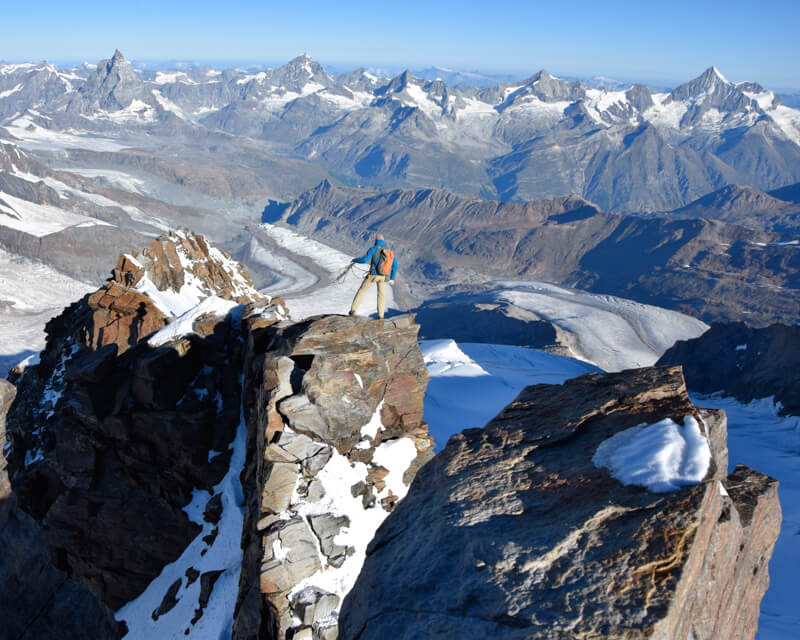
(612, 333)
(470, 383)
(40, 219)
(30, 294)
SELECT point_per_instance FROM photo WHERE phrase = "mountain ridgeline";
(537, 138)
(706, 268)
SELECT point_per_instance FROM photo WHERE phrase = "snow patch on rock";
(661, 457)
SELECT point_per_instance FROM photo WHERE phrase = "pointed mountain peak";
(712, 87)
(306, 62)
(712, 74)
(118, 58)
(399, 83)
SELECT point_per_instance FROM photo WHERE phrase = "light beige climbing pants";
(362, 290)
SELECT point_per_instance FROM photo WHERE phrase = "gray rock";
(169, 600)
(743, 362)
(304, 417)
(326, 527)
(279, 486)
(313, 605)
(513, 532)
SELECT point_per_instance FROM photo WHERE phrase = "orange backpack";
(385, 259)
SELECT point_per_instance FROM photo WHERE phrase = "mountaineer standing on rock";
(382, 268)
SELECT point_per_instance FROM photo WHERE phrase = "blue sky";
(663, 42)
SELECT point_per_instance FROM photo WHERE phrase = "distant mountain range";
(707, 268)
(628, 149)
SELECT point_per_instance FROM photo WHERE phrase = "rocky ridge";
(337, 404)
(113, 428)
(124, 430)
(743, 362)
(514, 531)
(747, 207)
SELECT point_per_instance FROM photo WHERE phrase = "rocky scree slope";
(514, 531)
(121, 434)
(743, 362)
(705, 268)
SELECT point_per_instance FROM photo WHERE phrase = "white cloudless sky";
(660, 41)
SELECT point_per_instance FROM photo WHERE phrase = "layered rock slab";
(334, 410)
(513, 532)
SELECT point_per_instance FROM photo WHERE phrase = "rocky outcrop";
(164, 279)
(122, 450)
(334, 412)
(115, 428)
(743, 362)
(514, 532)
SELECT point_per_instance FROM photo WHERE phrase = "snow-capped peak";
(719, 75)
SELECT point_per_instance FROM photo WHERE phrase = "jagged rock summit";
(516, 531)
(128, 437)
(130, 409)
(113, 86)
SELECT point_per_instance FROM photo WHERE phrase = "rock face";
(37, 600)
(334, 412)
(513, 532)
(110, 436)
(743, 362)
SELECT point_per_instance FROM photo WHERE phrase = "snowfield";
(470, 383)
(40, 219)
(30, 294)
(612, 333)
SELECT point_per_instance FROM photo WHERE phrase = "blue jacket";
(371, 258)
